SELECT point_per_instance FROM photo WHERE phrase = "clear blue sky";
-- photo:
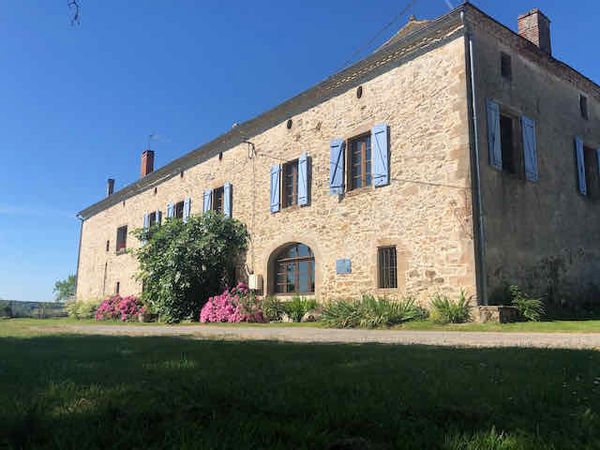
(77, 103)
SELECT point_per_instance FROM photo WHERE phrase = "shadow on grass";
(166, 392)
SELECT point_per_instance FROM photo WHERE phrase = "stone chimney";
(147, 163)
(110, 187)
(535, 27)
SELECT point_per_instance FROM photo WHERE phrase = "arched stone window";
(294, 269)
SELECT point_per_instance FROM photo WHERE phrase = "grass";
(70, 391)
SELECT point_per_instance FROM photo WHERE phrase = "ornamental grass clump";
(119, 308)
(371, 312)
(298, 307)
(445, 310)
(233, 305)
(530, 308)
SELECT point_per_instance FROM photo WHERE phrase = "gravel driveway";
(323, 335)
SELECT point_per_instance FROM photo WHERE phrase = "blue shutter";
(580, 166)
(275, 187)
(494, 144)
(170, 211)
(381, 155)
(227, 199)
(158, 216)
(207, 201)
(146, 221)
(336, 167)
(187, 209)
(530, 148)
(303, 180)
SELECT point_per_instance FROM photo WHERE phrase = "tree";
(181, 264)
(65, 289)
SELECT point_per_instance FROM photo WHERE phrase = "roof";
(407, 43)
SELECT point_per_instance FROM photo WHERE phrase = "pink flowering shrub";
(233, 305)
(117, 307)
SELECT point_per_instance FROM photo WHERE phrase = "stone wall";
(542, 235)
(425, 211)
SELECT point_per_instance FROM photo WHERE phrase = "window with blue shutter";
(207, 201)
(336, 167)
(529, 148)
(275, 188)
(303, 180)
(187, 208)
(494, 143)
(579, 156)
(170, 211)
(227, 199)
(146, 221)
(381, 155)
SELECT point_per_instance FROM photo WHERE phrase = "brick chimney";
(110, 187)
(147, 163)
(535, 27)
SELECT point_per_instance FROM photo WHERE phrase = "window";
(289, 182)
(506, 66)
(387, 267)
(510, 155)
(217, 200)
(107, 245)
(294, 270)
(359, 161)
(179, 210)
(121, 239)
(152, 219)
(592, 172)
(583, 106)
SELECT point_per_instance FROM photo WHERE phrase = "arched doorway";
(293, 266)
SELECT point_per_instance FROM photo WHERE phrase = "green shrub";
(298, 306)
(371, 312)
(81, 310)
(531, 309)
(272, 308)
(445, 310)
(182, 264)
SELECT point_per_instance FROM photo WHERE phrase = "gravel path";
(323, 335)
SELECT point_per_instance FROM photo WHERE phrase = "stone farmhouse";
(459, 155)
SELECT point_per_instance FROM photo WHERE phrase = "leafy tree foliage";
(183, 264)
(65, 289)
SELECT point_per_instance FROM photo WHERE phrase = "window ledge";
(123, 251)
(358, 191)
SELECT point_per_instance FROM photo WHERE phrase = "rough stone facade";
(456, 222)
(424, 211)
(544, 235)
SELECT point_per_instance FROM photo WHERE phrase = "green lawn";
(86, 392)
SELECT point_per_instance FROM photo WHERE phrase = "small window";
(387, 267)
(510, 155)
(107, 245)
(179, 210)
(359, 161)
(289, 184)
(118, 287)
(592, 175)
(217, 200)
(152, 219)
(121, 239)
(583, 106)
(506, 66)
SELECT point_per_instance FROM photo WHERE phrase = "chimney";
(147, 163)
(110, 187)
(535, 27)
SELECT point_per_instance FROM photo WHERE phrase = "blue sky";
(77, 103)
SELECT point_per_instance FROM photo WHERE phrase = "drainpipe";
(478, 227)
